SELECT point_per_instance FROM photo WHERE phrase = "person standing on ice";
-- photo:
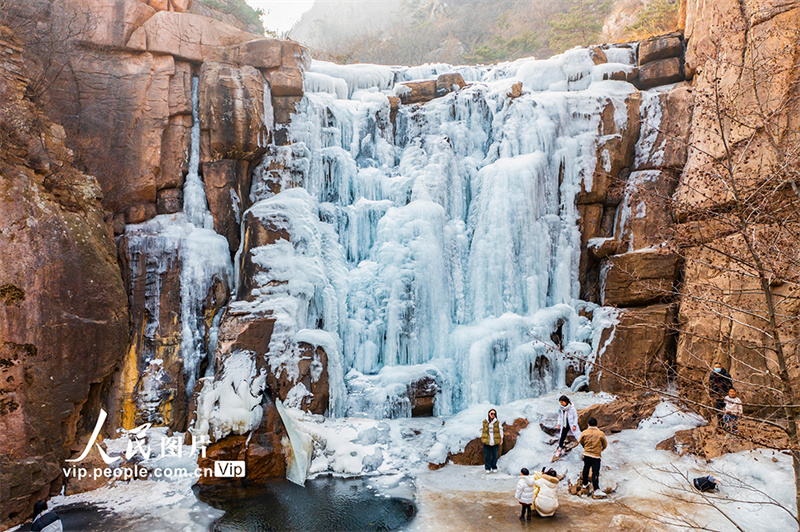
(526, 490)
(567, 422)
(594, 443)
(719, 382)
(492, 438)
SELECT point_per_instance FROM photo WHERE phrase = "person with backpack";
(492, 439)
(43, 520)
(594, 443)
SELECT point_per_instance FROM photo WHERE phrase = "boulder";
(598, 55)
(180, 90)
(175, 147)
(660, 47)
(285, 81)
(263, 450)
(614, 150)
(417, 91)
(312, 374)
(640, 277)
(473, 451)
(260, 53)
(422, 394)
(708, 442)
(601, 248)
(660, 72)
(283, 107)
(449, 83)
(425, 91)
(140, 212)
(642, 349)
(231, 113)
(257, 232)
(123, 100)
(102, 22)
(253, 332)
(623, 413)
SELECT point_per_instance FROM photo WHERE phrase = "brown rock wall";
(63, 310)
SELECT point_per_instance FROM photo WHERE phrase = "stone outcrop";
(425, 91)
(63, 310)
(642, 349)
(625, 259)
(640, 277)
(740, 56)
(623, 413)
(265, 450)
(231, 113)
(661, 61)
(709, 442)
(473, 451)
(123, 91)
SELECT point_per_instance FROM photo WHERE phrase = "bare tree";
(737, 232)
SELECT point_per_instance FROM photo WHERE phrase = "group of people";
(728, 406)
(540, 490)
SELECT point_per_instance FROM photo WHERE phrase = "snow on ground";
(646, 481)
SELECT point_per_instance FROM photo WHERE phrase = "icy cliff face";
(442, 236)
(185, 242)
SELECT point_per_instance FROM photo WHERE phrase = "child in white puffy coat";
(546, 493)
(526, 489)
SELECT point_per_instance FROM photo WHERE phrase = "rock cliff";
(63, 307)
(119, 79)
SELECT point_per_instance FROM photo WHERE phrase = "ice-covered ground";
(647, 482)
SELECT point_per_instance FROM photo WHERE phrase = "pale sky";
(281, 14)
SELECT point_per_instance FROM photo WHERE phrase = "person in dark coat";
(43, 520)
(719, 382)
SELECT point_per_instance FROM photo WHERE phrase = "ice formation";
(442, 240)
(187, 238)
(435, 242)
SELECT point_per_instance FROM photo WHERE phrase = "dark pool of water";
(83, 517)
(329, 504)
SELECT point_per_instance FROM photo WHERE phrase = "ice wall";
(454, 223)
(186, 243)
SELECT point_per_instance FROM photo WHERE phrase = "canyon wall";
(63, 306)
(115, 76)
(101, 325)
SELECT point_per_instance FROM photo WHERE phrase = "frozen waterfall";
(203, 258)
(441, 240)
